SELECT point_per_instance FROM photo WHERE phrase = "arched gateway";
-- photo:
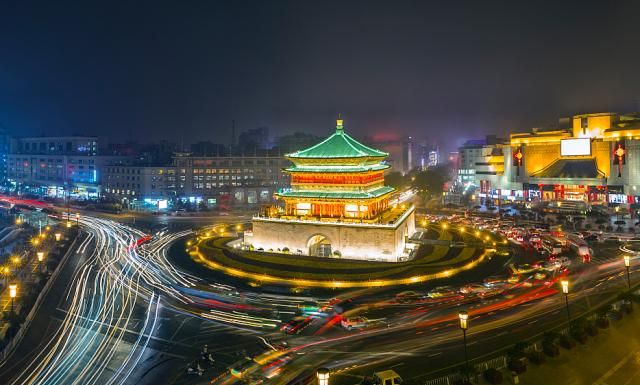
(319, 246)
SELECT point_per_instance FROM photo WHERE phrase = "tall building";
(337, 205)
(254, 139)
(58, 166)
(4, 155)
(214, 181)
(401, 152)
(593, 158)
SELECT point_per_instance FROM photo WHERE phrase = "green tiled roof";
(571, 168)
(329, 169)
(337, 194)
(338, 145)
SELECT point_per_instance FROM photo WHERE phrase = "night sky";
(445, 71)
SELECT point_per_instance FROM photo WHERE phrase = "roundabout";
(442, 252)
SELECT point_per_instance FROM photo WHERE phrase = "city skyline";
(157, 71)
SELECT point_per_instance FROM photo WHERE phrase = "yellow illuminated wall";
(596, 125)
(539, 156)
(600, 150)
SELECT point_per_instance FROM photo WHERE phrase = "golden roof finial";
(339, 122)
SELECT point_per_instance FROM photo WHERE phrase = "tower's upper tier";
(339, 148)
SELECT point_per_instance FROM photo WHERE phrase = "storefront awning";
(571, 168)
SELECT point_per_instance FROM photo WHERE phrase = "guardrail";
(8, 350)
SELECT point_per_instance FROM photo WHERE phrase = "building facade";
(211, 181)
(58, 167)
(337, 205)
(594, 158)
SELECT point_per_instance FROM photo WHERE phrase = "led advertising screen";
(575, 147)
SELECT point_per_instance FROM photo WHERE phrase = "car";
(273, 368)
(351, 323)
(513, 279)
(442, 291)
(243, 368)
(473, 288)
(563, 261)
(408, 297)
(540, 276)
(492, 292)
(524, 268)
(296, 325)
(495, 281)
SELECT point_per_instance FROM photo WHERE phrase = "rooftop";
(571, 168)
(378, 192)
(338, 145)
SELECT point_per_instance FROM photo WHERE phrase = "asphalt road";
(123, 312)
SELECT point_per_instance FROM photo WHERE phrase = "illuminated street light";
(565, 291)
(40, 255)
(627, 265)
(13, 291)
(58, 236)
(18, 221)
(15, 259)
(6, 272)
(323, 376)
(78, 219)
(464, 319)
(68, 224)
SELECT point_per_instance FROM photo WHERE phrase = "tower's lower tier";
(333, 239)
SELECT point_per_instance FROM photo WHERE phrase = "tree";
(396, 180)
(430, 180)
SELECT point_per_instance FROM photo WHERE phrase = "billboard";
(575, 147)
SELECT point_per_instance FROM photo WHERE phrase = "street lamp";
(78, 219)
(68, 224)
(565, 291)
(627, 265)
(58, 236)
(6, 271)
(13, 291)
(323, 376)
(464, 317)
(40, 255)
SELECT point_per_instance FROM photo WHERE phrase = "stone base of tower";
(376, 242)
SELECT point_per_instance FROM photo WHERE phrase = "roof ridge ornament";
(339, 124)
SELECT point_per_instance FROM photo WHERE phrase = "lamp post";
(627, 265)
(77, 219)
(40, 255)
(323, 376)
(13, 291)
(58, 237)
(6, 271)
(565, 291)
(464, 317)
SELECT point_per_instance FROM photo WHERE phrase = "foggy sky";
(444, 71)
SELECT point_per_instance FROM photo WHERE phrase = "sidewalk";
(610, 358)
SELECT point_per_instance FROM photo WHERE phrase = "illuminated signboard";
(575, 147)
